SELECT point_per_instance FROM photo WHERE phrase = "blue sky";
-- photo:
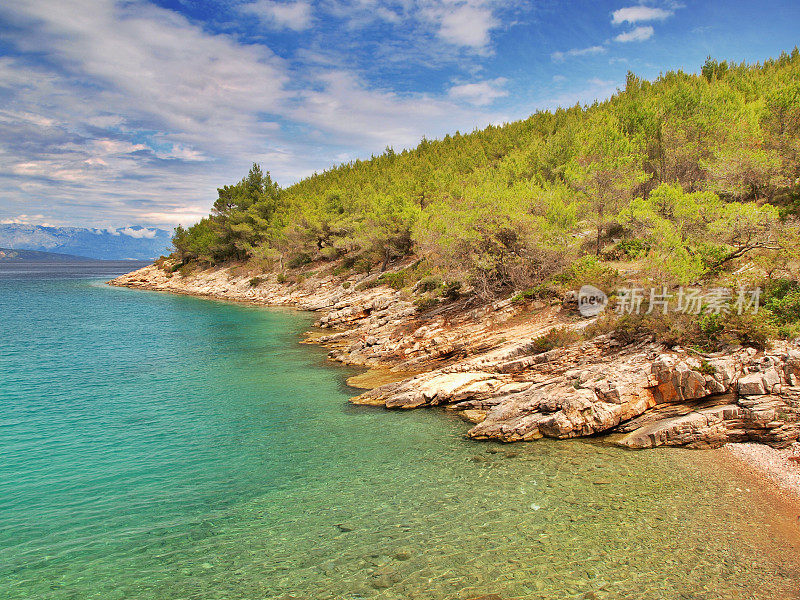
(134, 112)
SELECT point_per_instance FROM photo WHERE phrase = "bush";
(711, 325)
(256, 281)
(367, 285)
(162, 263)
(451, 290)
(428, 284)
(789, 332)
(340, 270)
(298, 260)
(782, 299)
(626, 250)
(706, 368)
(557, 337)
(349, 261)
(706, 332)
(396, 281)
(589, 270)
(346, 285)
(748, 330)
(281, 278)
(538, 292)
(425, 303)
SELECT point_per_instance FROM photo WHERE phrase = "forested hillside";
(687, 178)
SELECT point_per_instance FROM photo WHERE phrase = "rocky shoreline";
(481, 360)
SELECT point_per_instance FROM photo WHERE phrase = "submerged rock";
(403, 553)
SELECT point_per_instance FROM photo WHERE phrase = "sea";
(165, 447)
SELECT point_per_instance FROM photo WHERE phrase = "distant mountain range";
(8, 254)
(125, 243)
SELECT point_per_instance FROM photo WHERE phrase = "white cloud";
(282, 15)
(637, 14)
(591, 50)
(179, 152)
(640, 34)
(139, 233)
(116, 147)
(24, 220)
(467, 23)
(479, 93)
(345, 106)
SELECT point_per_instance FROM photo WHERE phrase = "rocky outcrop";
(647, 395)
(479, 360)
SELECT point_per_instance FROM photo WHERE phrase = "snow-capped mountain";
(137, 243)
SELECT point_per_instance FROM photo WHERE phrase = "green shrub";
(346, 285)
(789, 332)
(298, 260)
(428, 284)
(782, 300)
(706, 332)
(363, 264)
(749, 330)
(589, 270)
(557, 337)
(367, 285)
(281, 278)
(706, 368)
(349, 261)
(538, 292)
(256, 281)
(161, 263)
(396, 281)
(711, 325)
(626, 250)
(424, 303)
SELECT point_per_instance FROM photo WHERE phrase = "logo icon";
(591, 301)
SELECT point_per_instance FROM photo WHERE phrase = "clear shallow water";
(164, 447)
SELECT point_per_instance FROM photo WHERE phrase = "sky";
(117, 113)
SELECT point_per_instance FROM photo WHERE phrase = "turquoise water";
(164, 447)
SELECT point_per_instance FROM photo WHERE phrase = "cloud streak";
(296, 16)
(639, 34)
(589, 51)
(638, 14)
(480, 93)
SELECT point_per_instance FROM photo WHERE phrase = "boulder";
(752, 385)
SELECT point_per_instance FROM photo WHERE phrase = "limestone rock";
(480, 361)
(752, 385)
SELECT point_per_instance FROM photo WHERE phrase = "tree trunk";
(386, 260)
(599, 227)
